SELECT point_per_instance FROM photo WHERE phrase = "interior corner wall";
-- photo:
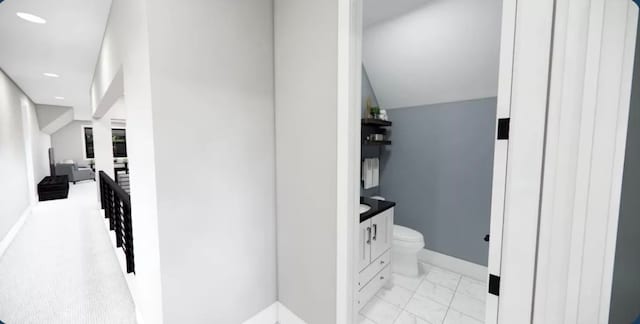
(625, 293)
(37, 144)
(213, 129)
(306, 74)
(367, 91)
(21, 153)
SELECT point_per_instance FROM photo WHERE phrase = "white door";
(500, 157)
(364, 245)
(518, 158)
(381, 233)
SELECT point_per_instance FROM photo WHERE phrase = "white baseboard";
(463, 267)
(11, 235)
(268, 315)
(286, 316)
(275, 313)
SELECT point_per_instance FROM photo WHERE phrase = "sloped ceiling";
(53, 118)
(440, 51)
(376, 11)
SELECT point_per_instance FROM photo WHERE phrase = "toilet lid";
(406, 234)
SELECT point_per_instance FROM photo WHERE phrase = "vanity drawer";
(371, 288)
(372, 269)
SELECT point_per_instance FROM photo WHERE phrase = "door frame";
(536, 65)
(523, 92)
(522, 97)
(593, 58)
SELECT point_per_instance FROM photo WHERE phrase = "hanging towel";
(370, 175)
(367, 176)
(375, 170)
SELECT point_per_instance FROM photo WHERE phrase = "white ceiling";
(68, 45)
(375, 11)
(442, 51)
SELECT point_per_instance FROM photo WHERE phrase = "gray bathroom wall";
(439, 170)
(625, 294)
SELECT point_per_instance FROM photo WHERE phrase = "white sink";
(364, 208)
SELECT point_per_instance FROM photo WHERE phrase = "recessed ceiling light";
(51, 75)
(60, 98)
(31, 18)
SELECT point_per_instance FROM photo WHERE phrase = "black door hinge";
(494, 285)
(503, 128)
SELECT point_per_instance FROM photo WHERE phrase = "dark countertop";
(377, 207)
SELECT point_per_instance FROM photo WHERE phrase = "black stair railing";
(117, 208)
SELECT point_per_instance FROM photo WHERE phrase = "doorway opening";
(428, 140)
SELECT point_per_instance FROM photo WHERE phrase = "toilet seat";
(405, 234)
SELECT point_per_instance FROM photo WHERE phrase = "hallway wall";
(125, 50)
(213, 120)
(23, 153)
(200, 141)
(306, 65)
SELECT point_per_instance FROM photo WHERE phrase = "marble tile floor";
(438, 296)
(61, 267)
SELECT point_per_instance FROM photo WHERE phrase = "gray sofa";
(74, 172)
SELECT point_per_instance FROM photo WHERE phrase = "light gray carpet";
(61, 267)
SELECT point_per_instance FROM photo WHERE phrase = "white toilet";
(405, 247)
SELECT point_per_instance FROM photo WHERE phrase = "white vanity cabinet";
(374, 255)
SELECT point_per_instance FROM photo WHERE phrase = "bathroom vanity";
(374, 247)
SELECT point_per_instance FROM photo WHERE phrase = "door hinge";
(494, 285)
(503, 128)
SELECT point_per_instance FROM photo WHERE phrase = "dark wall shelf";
(375, 122)
(366, 142)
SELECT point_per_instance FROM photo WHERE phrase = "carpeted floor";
(61, 267)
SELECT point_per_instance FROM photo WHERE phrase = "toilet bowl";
(405, 246)
(404, 249)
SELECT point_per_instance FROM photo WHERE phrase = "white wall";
(125, 46)
(37, 144)
(306, 48)
(201, 157)
(103, 145)
(212, 88)
(68, 142)
(444, 51)
(23, 153)
(13, 162)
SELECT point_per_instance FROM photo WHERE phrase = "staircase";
(123, 180)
